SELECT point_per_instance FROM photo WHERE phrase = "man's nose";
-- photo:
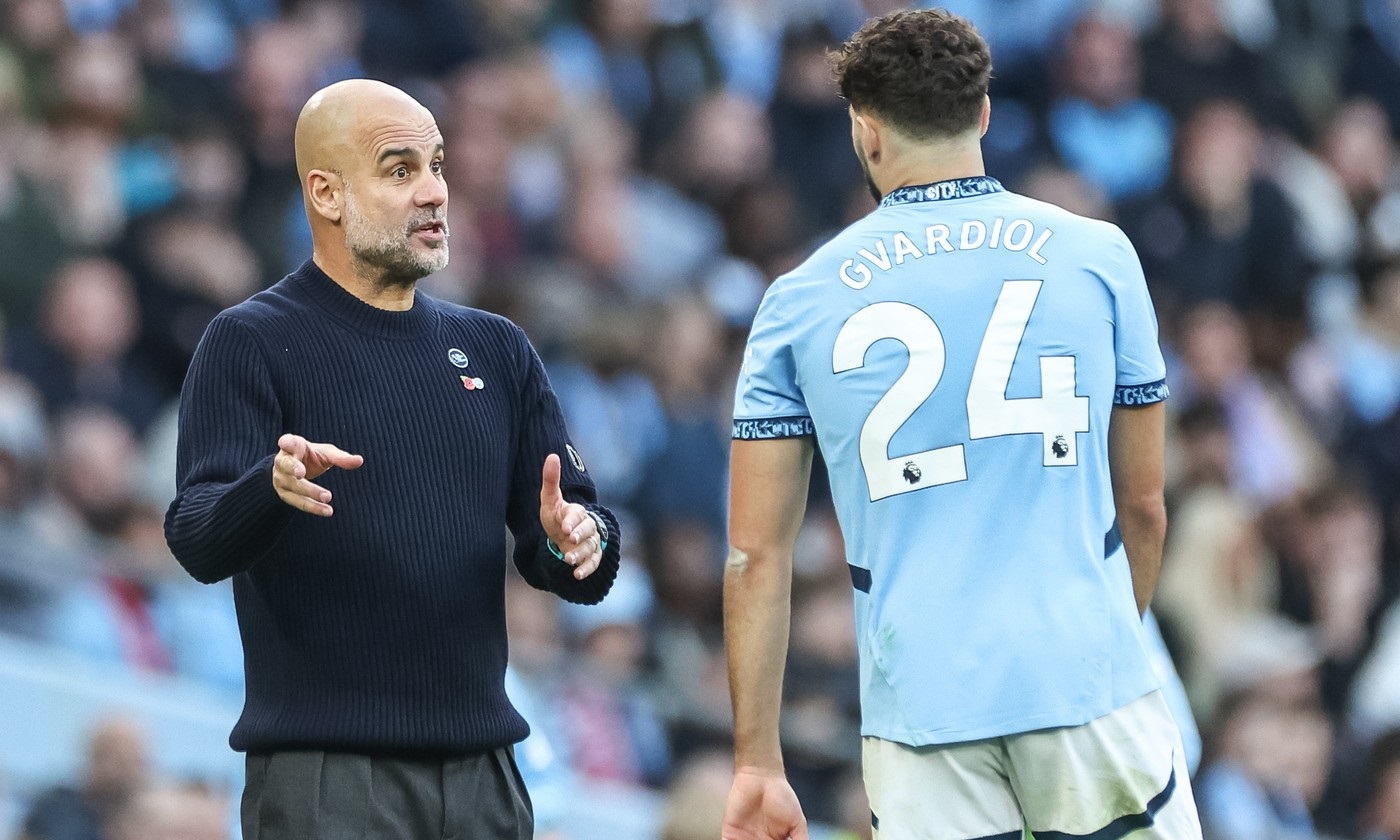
(432, 191)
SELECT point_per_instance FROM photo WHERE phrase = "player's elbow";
(746, 556)
(204, 566)
(1144, 514)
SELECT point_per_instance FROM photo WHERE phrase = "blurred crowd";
(626, 177)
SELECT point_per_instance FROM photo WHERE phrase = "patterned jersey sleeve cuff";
(772, 428)
(1146, 394)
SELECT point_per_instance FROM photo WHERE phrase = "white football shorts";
(1119, 775)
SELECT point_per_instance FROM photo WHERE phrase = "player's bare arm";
(1137, 458)
(298, 462)
(569, 524)
(768, 497)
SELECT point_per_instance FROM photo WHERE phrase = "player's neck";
(930, 165)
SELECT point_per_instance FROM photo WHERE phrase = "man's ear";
(986, 119)
(325, 193)
(871, 135)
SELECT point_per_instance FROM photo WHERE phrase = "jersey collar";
(943, 190)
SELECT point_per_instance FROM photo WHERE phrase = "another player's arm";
(768, 497)
(1137, 457)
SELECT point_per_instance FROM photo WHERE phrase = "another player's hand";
(568, 524)
(298, 461)
(762, 806)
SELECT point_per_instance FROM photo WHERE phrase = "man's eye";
(437, 167)
(400, 171)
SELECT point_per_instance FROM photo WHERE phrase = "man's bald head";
(332, 121)
(371, 160)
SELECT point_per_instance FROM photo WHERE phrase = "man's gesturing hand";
(298, 461)
(569, 524)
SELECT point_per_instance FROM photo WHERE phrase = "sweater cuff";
(216, 532)
(602, 526)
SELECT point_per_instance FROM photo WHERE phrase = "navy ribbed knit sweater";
(380, 629)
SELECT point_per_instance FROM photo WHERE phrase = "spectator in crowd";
(92, 482)
(618, 734)
(34, 571)
(280, 65)
(1220, 231)
(1380, 812)
(1332, 580)
(1359, 145)
(1023, 36)
(1193, 57)
(811, 134)
(28, 220)
(1267, 768)
(118, 767)
(83, 355)
(683, 556)
(695, 798)
(621, 51)
(689, 377)
(1350, 378)
(97, 171)
(542, 765)
(1274, 454)
(638, 235)
(1100, 123)
(1217, 574)
(501, 200)
(1375, 698)
(1065, 187)
(820, 694)
(724, 145)
(190, 265)
(167, 811)
(141, 611)
(603, 383)
(1373, 61)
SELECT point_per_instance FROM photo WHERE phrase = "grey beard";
(394, 262)
(394, 268)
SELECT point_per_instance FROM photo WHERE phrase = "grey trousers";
(339, 796)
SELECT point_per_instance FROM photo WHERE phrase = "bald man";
(351, 453)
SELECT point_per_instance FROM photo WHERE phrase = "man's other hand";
(568, 524)
(299, 461)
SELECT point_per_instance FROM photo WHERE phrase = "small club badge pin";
(457, 357)
(473, 383)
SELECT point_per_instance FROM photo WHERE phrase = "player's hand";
(762, 806)
(568, 524)
(298, 461)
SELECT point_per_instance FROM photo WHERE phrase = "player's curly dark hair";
(924, 71)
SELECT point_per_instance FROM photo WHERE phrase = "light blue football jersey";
(957, 354)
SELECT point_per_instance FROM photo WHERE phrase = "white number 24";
(1057, 414)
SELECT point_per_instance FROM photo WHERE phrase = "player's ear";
(867, 133)
(986, 118)
(325, 193)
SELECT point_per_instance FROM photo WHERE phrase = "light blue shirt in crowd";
(957, 354)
